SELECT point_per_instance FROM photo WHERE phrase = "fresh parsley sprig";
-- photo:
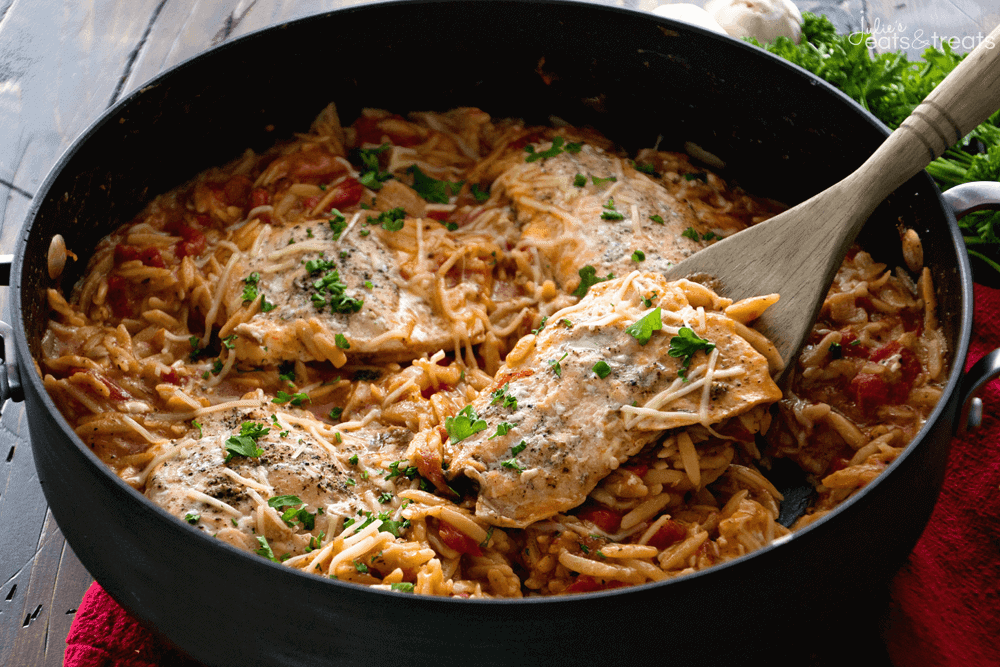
(684, 346)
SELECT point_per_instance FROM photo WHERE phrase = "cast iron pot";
(781, 132)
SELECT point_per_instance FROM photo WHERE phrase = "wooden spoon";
(796, 254)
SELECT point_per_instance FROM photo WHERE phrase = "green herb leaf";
(479, 194)
(294, 399)
(501, 396)
(391, 220)
(644, 327)
(197, 426)
(588, 278)
(579, 180)
(503, 428)
(684, 346)
(555, 149)
(638, 256)
(555, 365)
(431, 189)
(402, 587)
(601, 369)
(341, 342)
(228, 341)
(336, 413)
(192, 518)
(464, 424)
(372, 176)
(658, 219)
(541, 325)
(691, 233)
(245, 444)
(265, 549)
(601, 181)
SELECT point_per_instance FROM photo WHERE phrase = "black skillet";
(782, 133)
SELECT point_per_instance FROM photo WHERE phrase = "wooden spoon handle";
(962, 101)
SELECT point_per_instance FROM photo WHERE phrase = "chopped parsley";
(638, 256)
(294, 399)
(541, 325)
(503, 428)
(372, 176)
(265, 549)
(512, 463)
(195, 424)
(501, 396)
(368, 284)
(464, 424)
(658, 219)
(336, 413)
(691, 233)
(192, 518)
(648, 300)
(555, 365)
(341, 342)
(489, 536)
(360, 567)
(601, 369)
(588, 278)
(478, 193)
(566, 322)
(431, 189)
(286, 371)
(386, 497)
(610, 213)
(646, 168)
(579, 180)
(296, 512)
(684, 346)
(558, 146)
(409, 472)
(601, 181)
(251, 291)
(328, 290)
(643, 329)
(390, 221)
(338, 223)
(245, 444)
(402, 587)
(700, 176)
(353, 460)
(228, 341)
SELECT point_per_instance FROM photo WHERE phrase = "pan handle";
(10, 376)
(965, 199)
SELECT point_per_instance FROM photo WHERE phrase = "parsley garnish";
(701, 176)
(402, 587)
(265, 549)
(501, 395)
(512, 463)
(385, 498)
(658, 219)
(584, 548)
(250, 292)
(197, 426)
(644, 327)
(372, 177)
(610, 213)
(360, 567)
(691, 233)
(579, 180)
(286, 371)
(588, 278)
(646, 169)
(489, 536)
(638, 256)
(601, 181)
(566, 322)
(329, 290)
(336, 413)
(391, 220)
(431, 189)
(555, 365)
(368, 284)
(341, 342)
(245, 444)
(228, 341)
(554, 150)
(503, 428)
(684, 346)
(192, 518)
(294, 399)
(541, 325)
(296, 512)
(601, 369)
(464, 424)
(479, 194)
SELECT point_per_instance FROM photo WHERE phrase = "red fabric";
(105, 635)
(946, 600)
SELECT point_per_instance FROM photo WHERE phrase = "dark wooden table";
(62, 64)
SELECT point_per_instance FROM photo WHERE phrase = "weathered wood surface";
(62, 64)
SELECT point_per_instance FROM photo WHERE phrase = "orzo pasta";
(435, 354)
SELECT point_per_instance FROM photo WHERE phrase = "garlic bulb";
(764, 20)
(689, 13)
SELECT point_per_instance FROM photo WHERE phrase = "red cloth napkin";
(945, 607)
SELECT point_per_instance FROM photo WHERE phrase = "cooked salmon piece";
(636, 357)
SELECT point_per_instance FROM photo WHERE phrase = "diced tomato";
(314, 163)
(193, 243)
(309, 202)
(869, 391)
(669, 533)
(587, 584)
(259, 197)
(171, 376)
(347, 193)
(236, 190)
(438, 215)
(117, 393)
(838, 463)
(638, 468)
(118, 296)
(531, 138)
(125, 253)
(850, 347)
(607, 520)
(912, 321)
(369, 131)
(152, 257)
(433, 389)
(458, 540)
